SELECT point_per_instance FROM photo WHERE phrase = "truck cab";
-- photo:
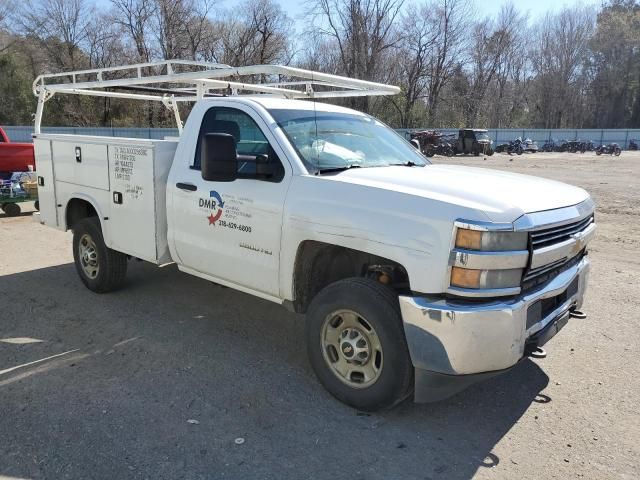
(15, 157)
(416, 279)
(474, 141)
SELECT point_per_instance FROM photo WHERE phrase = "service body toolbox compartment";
(128, 175)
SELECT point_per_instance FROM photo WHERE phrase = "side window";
(250, 141)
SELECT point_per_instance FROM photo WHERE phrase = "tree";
(363, 31)
(60, 26)
(426, 54)
(135, 17)
(493, 41)
(559, 54)
(615, 65)
(258, 32)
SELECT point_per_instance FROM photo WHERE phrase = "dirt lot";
(159, 380)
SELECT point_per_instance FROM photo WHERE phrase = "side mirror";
(218, 157)
(415, 143)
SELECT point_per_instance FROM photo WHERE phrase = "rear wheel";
(11, 209)
(100, 268)
(356, 344)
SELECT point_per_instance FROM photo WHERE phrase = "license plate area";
(550, 331)
(541, 309)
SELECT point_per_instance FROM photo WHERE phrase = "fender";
(102, 218)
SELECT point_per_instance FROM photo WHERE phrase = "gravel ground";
(160, 379)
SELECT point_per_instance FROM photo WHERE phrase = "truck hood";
(502, 196)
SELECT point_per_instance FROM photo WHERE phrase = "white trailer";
(414, 278)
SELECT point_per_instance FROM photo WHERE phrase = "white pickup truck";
(415, 278)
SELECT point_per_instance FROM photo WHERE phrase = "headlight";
(490, 241)
(488, 260)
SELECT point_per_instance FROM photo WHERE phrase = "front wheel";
(100, 268)
(356, 344)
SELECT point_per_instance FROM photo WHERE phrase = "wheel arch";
(81, 206)
(318, 264)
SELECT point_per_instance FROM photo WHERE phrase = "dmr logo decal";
(214, 204)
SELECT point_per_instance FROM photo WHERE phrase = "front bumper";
(454, 342)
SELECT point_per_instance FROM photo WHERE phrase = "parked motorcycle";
(529, 145)
(574, 146)
(587, 146)
(563, 146)
(432, 143)
(549, 146)
(610, 149)
(516, 146)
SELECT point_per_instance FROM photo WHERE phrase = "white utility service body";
(252, 234)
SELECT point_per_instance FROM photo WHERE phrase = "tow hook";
(539, 352)
(577, 314)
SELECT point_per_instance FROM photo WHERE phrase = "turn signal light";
(469, 239)
(465, 278)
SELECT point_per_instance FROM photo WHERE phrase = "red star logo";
(214, 218)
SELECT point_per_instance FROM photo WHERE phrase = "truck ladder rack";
(173, 81)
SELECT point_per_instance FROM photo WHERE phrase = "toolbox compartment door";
(80, 163)
(137, 217)
(46, 182)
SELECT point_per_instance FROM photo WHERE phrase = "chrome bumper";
(449, 337)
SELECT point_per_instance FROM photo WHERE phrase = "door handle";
(189, 187)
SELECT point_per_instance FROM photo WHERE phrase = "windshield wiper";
(336, 169)
(406, 164)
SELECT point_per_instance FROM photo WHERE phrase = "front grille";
(533, 277)
(550, 236)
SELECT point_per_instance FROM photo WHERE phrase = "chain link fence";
(619, 136)
(23, 134)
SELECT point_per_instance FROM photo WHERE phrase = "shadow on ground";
(171, 370)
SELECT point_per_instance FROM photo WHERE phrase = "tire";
(374, 310)
(617, 152)
(36, 205)
(11, 209)
(598, 152)
(101, 269)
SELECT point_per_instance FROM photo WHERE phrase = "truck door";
(232, 230)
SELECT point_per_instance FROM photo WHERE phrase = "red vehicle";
(15, 157)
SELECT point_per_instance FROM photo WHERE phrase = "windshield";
(329, 140)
